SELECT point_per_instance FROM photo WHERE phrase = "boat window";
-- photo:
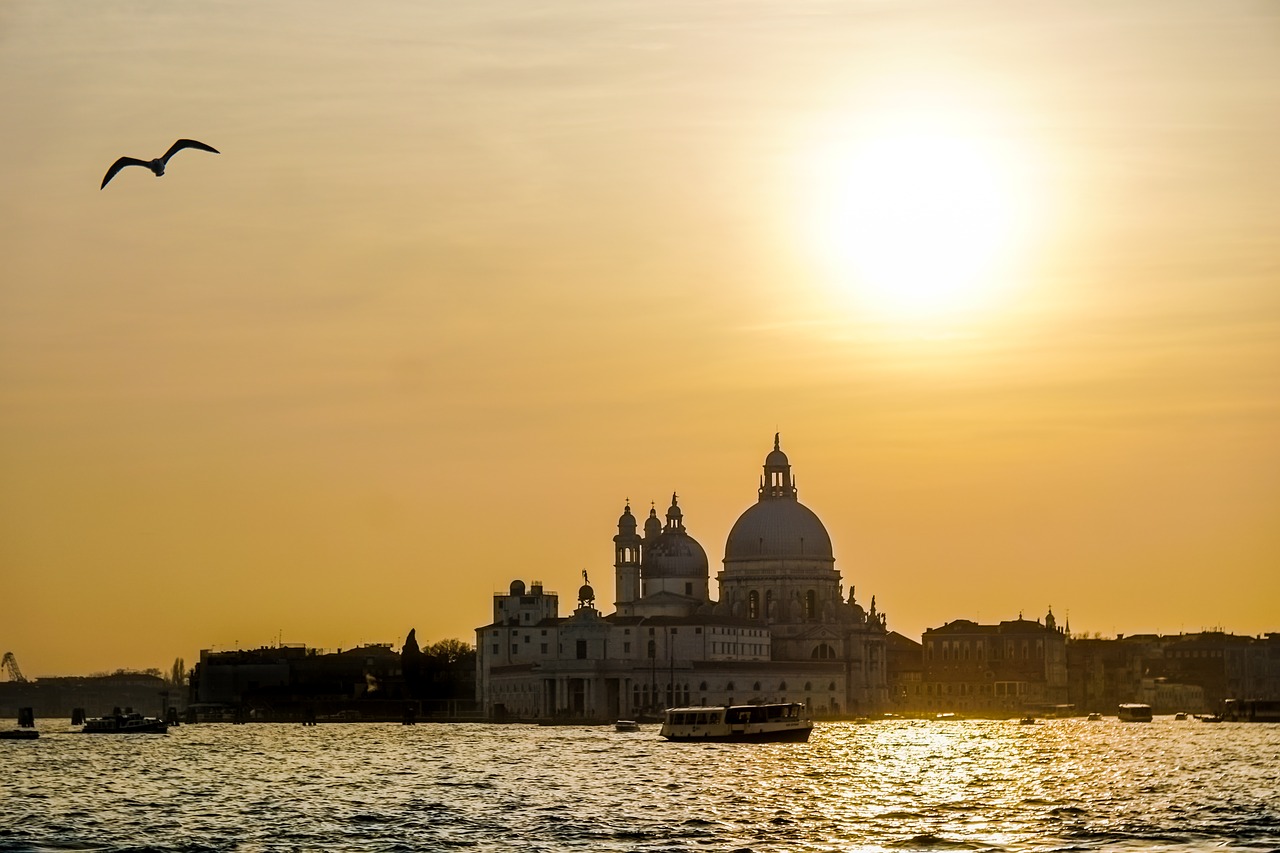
(702, 718)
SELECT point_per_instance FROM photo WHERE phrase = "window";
(514, 648)
(823, 652)
(582, 649)
(753, 605)
(697, 630)
(544, 648)
(688, 589)
(495, 648)
(528, 637)
(626, 648)
(810, 605)
(755, 686)
(653, 649)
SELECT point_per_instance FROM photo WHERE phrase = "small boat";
(1180, 716)
(1027, 721)
(783, 721)
(1209, 718)
(626, 726)
(128, 723)
(1095, 717)
(1135, 712)
(19, 734)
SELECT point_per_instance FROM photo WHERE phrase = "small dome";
(627, 521)
(517, 587)
(675, 554)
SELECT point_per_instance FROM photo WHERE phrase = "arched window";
(702, 686)
(810, 605)
(755, 686)
(729, 686)
(782, 685)
(768, 605)
(753, 605)
(833, 686)
(823, 652)
(808, 685)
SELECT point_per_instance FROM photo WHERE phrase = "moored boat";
(626, 726)
(1094, 717)
(127, 723)
(1135, 712)
(782, 721)
(19, 734)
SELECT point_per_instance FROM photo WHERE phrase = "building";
(293, 682)
(1183, 672)
(1006, 669)
(780, 630)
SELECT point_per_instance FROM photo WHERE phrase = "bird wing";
(187, 143)
(120, 164)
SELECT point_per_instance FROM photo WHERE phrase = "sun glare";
(917, 216)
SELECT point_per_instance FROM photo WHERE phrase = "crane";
(10, 664)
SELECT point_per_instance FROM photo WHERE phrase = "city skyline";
(463, 280)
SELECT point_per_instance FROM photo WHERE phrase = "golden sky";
(466, 276)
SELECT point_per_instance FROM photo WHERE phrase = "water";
(885, 786)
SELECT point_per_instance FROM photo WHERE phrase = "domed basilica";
(781, 629)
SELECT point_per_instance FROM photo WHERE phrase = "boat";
(19, 734)
(127, 723)
(781, 721)
(1094, 717)
(1251, 711)
(1027, 721)
(1135, 712)
(1181, 715)
(626, 726)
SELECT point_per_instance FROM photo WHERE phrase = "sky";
(466, 277)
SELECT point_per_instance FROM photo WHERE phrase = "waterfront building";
(1005, 669)
(780, 630)
(1169, 672)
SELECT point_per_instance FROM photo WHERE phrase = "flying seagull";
(157, 165)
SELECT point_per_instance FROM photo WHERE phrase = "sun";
(916, 215)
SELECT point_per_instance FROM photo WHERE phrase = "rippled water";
(893, 786)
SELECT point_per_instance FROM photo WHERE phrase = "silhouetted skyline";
(467, 277)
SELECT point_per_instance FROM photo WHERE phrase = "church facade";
(780, 630)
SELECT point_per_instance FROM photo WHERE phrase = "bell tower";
(626, 558)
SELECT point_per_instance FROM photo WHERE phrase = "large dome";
(778, 528)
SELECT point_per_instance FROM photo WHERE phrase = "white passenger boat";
(783, 721)
(1135, 712)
